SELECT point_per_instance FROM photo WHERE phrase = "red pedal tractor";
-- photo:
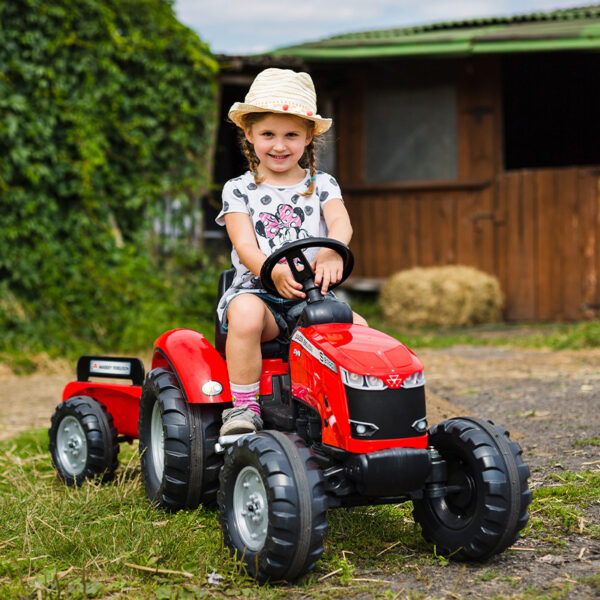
(345, 425)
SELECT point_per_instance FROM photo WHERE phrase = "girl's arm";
(242, 236)
(328, 265)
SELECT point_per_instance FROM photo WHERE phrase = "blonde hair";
(307, 161)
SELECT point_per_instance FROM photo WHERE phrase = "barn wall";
(537, 231)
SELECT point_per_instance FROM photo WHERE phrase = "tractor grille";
(392, 412)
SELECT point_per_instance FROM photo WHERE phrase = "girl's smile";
(279, 142)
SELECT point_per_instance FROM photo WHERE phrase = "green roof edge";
(458, 41)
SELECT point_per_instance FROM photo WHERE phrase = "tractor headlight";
(414, 380)
(211, 388)
(361, 382)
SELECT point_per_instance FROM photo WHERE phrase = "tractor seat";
(270, 349)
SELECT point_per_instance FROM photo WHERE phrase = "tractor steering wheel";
(292, 252)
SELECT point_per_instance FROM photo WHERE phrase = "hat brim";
(239, 109)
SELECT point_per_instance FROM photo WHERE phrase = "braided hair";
(307, 161)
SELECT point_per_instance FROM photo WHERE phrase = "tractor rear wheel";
(180, 468)
(485, 506)
(83, 441)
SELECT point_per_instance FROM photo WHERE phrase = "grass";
(593, 441)
(100, 540)
(107, 541)
(559, 507)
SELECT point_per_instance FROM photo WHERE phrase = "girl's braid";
(310, 159)
(248, 150)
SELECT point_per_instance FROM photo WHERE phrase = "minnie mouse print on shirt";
(279, 215)
(282, 227)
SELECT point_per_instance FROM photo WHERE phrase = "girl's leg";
(249, 323)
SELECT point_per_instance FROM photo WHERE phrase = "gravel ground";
(548, 400)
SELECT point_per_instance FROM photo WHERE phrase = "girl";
(275, 202)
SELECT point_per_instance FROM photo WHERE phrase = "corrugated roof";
(567, 29)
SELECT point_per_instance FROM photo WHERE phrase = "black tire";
(184, 472)
(487, 514)
(83, 441)
(272, 487)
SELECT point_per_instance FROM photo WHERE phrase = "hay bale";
(449, 296)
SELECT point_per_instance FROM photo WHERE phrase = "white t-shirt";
(279, 214)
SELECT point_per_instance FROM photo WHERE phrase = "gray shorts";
(286, 312)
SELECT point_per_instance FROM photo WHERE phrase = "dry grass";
(449, 296)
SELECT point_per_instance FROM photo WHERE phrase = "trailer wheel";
(486, 506)
(273, 506)
(83, 441)
(180, 468)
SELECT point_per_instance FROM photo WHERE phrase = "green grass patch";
(96, 541)
(119, 307)
(593, 581)
(558, 508)
(593, 441)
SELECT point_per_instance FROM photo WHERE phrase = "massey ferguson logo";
(394, 381)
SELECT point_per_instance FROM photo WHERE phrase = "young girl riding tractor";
(275, 202)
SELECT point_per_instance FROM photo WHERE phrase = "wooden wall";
(537, 231)
(547, 242)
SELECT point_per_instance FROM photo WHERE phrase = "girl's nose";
(279, 143)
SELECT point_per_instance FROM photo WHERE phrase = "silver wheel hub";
(251, 508)
(157, 442)
(71, 444)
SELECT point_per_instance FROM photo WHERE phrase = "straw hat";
(281, 91)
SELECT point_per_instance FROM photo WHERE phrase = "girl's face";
(279, 142)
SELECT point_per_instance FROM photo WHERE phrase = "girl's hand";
(328, 267)
(285, 283)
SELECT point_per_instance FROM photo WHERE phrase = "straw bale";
(448, 296)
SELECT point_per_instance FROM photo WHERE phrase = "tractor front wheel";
(273, 506)
(485, 505)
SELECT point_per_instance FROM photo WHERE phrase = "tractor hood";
(363, 350)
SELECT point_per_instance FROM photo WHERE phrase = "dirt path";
(27, 402)
(549, 401)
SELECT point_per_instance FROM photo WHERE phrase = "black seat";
(270, 349)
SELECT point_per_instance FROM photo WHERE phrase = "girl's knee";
(246, 314)
(358, 320)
